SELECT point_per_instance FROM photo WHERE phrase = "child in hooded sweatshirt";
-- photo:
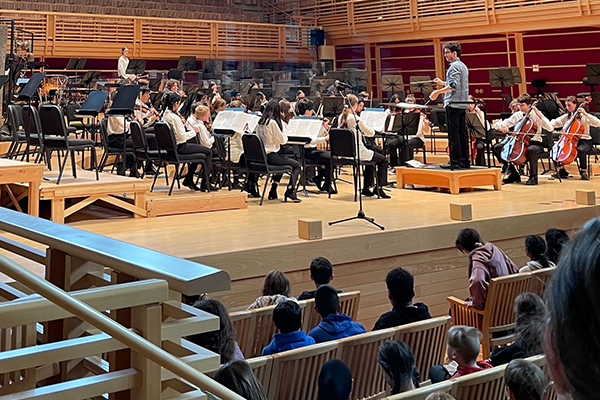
(535, 248)
(486, 262)
(287, 317)
(334, 325)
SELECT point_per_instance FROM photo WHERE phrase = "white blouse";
(206, 139)
(174, 121)
(365, 154)
(271, 136)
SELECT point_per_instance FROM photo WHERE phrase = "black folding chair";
(33, 131)
(256, 161)
(56, 137)
(142, 151)
(343, 152)
(15, 122)
(167, 146)
(120, 153)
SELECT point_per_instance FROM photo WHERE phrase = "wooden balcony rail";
(84, 35)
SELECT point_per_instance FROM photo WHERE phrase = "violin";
(514, 149)
(565, 150)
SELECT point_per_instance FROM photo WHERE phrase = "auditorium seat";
(349, 302)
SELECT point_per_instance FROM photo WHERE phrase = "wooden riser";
(185, 201)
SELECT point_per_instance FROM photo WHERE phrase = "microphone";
(343, 84)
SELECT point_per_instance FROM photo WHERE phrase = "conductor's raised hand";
(439, 82)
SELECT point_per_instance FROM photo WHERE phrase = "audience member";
(335, 381)
(486, 262)
(439, 396)
(530, 314)
(400, 285)
(221, 341)
(573, 301)
(321, 273)
(398, 364)
(524, 380)
(463, 348)
(239, 378)
(287, 317)
(276, 288)
(333, 325)
(535, 248)
(556, 239)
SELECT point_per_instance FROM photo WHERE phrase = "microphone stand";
(358, 136)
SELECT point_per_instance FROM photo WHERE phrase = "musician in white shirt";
(347, 121)
(196, 122)
(269, 129)
(401, 149)
(185, 140)
(480, 141)
(535, 147)
(123, 64)
(584, 144)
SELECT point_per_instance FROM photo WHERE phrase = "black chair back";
(70, 110)
(165, 139)
(31, 120)
(14, 119)
(254, 149)
(438, 117)
(104, 133)
(138, 136)
(342, 143)
(53, 121)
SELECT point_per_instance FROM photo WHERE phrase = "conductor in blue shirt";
(455, 89)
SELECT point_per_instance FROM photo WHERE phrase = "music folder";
(374, 118)
(303, 129)
(235, 121)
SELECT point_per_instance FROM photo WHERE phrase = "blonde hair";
(218, 103)
(200, 111)
(410, 99)
(465, 340)
(353, 100)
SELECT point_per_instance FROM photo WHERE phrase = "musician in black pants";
(455, 89)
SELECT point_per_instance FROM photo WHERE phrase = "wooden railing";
(363, 21)
(102, 36)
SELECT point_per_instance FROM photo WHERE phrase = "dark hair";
(530, 314)
(524, 98)
(238, 377)
(525, 379)
(556, 239)
(327, 300)
(272, 112)
(536, 247)
(123, 48)
(396, 360)
(454, 47)
(401, 285)
(573, 302)
(172, 99)
(467, 239)
(276, 283)
(287, 316)
(321, 270)
(144, 90)
(303, 105)
(221, 341)
(335, 381)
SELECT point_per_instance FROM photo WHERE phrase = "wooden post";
(146, 320)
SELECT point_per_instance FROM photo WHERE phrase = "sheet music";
(304, 127)
(374, 119)
(235, 120)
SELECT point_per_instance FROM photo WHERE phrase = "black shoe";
(466, 165)
(150, 170)
(367, 193)
(382, 194)
(333, 190)
(251, 190)
(273, 192)
(208, 187)
(532, 181)
(190, 184)
(450, 166)
(512, 178)
(584, 176)
(290, 194)
(312, 182)
(563, 173)
(317, 180)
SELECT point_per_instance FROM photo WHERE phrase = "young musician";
(145, 113)
(400, 149)
(305, 108)
(584, 144)
(535, 147)
(123, 64)
(455, 89)
(479, 142)
(269, 129)
(347, 121)
(186, 141)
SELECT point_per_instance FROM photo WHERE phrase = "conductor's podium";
(445, 178)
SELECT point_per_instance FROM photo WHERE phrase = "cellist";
(584, 144)
(535, 147)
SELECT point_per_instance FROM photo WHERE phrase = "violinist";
(144, 112)
(584, 144)
(479, 142)
(322, 157)
(402, 150)
(535, 147)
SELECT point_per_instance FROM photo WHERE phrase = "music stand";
(421, 84)
(156, 100)
(593, 74)
(154, 84)
(30, 89)
(502, 77)
(392, 83)
(91, 108)
(358, 79)
(89, 78)
(136, 67)
(122, 106)
(186, 63)
(332, 106)
(596, 100)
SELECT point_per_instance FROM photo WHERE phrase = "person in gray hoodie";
(334, 325)
(486, 261)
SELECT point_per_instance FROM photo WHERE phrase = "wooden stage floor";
(419, 235)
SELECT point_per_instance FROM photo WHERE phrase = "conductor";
(455, 89)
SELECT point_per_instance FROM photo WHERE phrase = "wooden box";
(310, 229)
(461, 212)
(585, 197)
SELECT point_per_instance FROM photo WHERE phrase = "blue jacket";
(335, 326)
(287, 341)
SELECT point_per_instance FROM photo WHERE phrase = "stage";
(419, 235)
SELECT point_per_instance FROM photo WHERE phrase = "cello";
(514, 149)
(565, 150)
